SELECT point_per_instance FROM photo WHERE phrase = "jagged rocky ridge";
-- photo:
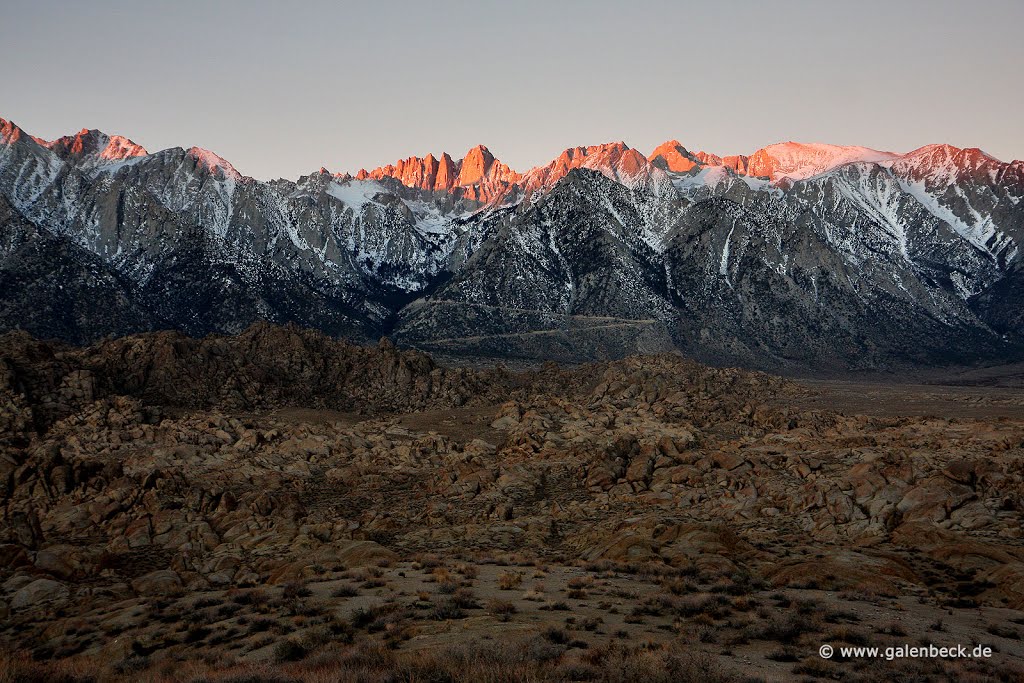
(797, 256)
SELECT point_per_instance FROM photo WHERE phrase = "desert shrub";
(378, 617)
(509, 580)
(196, 634)
(468, 570)
(205, 602)
(502, 609)
(707, 634)
(836, 616)
(542, 650)
(340, 630)
(345, 590)
(361, 617)
(844, 634)
(580, 582)
(294, 590)
(808, 606)
(256, 596)
(301, 608)
(289, 651)
(893, 628)
(261, 624)
(446, 609)
(715, 606)
(784, 654)
(743, 603)
(555, 635)
(787, 629)
(427, 562)
(229, 610)
(316, 637)
(464, 598)
(134, 664)
(816, 668)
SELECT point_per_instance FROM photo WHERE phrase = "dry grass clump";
(426, 562)
(509, 580)
(446, 609)
(294, 590)
(380, 617)
(580, 582)
(464, 598)
(502, 609)
(345, 590)
(536, 592)
(468, 570)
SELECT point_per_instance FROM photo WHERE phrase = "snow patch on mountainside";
(982, 233)
(356, 194)
(115, 166)
(878, 197)
(31, 168)
(711, 177)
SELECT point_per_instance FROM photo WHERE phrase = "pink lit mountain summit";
(794, 256)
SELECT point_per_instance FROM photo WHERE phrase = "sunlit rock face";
(794, 160)
(477, 177)
(672, 156)
(800, 161)
(798, 255)
(93, 147)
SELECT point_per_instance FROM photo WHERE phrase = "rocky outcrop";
(614, 160)
(265, 367)
(672, 156)
(121, 476)
(93, 148)
(39, 593)
(477, 177)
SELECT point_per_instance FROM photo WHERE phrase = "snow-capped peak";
(799, 161)
(943, 160)
(121, 147)
(946, 152)
(94, 148)
(213, 163)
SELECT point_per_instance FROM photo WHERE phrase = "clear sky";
(282, 88)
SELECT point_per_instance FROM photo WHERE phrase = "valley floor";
(648, 519)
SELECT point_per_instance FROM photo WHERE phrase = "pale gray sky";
(280, 89)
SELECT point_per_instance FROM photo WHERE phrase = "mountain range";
(796, 257)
